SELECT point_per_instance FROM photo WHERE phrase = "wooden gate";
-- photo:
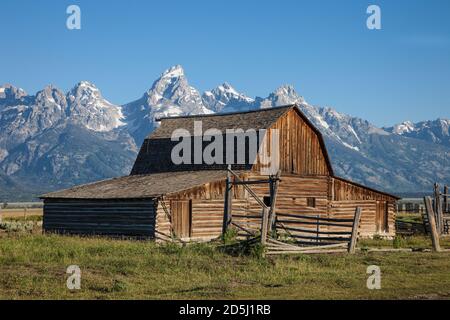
(181, 217)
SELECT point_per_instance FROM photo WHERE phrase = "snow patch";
(350, 146)
(322, 122)
(174, 72)
(405, 127)
(354, 133)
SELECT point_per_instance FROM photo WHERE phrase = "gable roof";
(139, 186)
(254, 119)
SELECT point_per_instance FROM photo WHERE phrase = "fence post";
(228, 202)
(274, 182)
(264, 224)
(446, 209)
(353, 239)
(438, 208)
(432, 223)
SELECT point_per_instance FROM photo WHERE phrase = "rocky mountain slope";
(53, 139)
(434, 131)
(170, 95)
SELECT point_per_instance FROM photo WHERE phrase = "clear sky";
(323, 48)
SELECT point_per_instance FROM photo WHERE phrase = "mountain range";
(54, 140)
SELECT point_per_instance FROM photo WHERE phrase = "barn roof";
(254, 119)
(139, 186)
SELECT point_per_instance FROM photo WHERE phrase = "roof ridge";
(226, 113)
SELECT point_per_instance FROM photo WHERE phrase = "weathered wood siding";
(292, 196)
(343, 190)
(130, 218)
(163, 228)
(346, 196)
(293, 192)
(207, 204)
(368, 226)
(300, 148)
(292, 200)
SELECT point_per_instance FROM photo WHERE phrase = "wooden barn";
(163, 200)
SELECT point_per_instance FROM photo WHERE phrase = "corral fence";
(284, 233)
(440, 206)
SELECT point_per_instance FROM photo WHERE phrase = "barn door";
(181, 217)
(382, 217)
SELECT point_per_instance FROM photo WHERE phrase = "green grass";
(410, 217)
(34, 266)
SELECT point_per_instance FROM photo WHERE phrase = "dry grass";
(16, 213)
(33, 267)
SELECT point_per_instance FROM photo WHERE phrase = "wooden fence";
(441, 209)
(283, 233)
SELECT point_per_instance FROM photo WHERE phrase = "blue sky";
(323, 48)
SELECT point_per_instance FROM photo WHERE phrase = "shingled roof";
(255, 119)
(139, 186)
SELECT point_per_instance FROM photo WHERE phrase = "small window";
(311, 202)
(267, 201)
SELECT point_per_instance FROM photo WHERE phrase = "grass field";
(33, 266)
(29, 212)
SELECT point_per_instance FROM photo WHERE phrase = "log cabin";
(164, 201)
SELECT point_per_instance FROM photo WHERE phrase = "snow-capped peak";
(225, 98)
(170, 95)
(283, 95)
(404, 127)
(173, 72)
(226, 87)
(436, 131)
(11, 93)
(88, 107)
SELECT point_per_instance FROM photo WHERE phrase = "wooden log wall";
(392, 214)
(129, 218)
(207, 210)
(346, 209)
(368, 226)
(163, 230)
(292, 199)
